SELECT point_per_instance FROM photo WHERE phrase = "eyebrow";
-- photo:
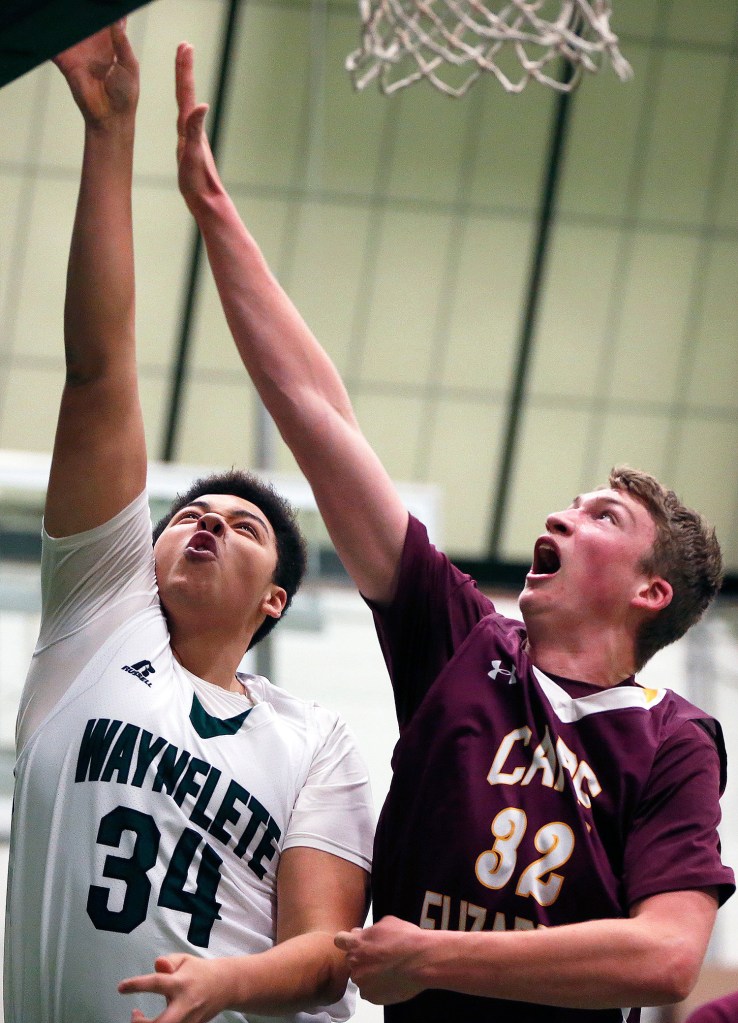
(607, 499)
(232, 513)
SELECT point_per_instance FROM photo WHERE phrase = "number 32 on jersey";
(495, 867)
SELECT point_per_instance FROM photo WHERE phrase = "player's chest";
(500, 727)
(136, 731)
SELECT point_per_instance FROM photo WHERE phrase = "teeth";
(200, 543)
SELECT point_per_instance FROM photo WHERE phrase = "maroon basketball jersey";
(519, 800)
(721, 1010)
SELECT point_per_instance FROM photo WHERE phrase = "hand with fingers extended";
(197, 172)
(102, 73)
(192, 987)
(384, 960)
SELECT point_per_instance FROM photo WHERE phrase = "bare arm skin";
(293, 375)
(317, 894)
(652, 958)
(99, 459)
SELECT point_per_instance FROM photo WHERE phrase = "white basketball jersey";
(151, 808)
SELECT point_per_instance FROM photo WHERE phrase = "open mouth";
(203, 542)
(546, 559)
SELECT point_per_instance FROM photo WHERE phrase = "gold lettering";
(544, 759)
(496, 775)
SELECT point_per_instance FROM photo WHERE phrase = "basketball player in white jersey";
(548, 851)
(169, 809)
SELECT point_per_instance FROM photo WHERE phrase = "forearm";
(99, 449)
(596, 964)
(99, 309)
(305, 396)
(293, 375)
(296, 974)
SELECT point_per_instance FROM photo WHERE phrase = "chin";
(524, 602)
(531, 602)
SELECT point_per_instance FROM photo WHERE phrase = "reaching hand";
(197, 172)
(381, 959)
(102, 73)
(190, 985)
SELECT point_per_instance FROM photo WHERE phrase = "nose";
(212, 522)
(560, 522)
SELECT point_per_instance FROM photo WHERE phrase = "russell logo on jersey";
(142, 670)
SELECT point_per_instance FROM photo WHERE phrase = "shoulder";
(107, 566)
(319, 736)
(693, 737)
(301, 714)
(431, 585)
(107, 553)
(685, 724)
(419, 550)
(688, 762)
(134, 518)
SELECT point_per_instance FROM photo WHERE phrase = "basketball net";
(450, 43)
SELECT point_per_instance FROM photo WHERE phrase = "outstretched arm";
(317, 894)
(99, 460)
(652, 958)
(293, 375)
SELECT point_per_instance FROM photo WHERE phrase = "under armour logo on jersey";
(141, 669)
(497, 669)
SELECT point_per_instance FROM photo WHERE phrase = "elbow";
(334, 991)
(328, 990)
(677, 972)
(331, 979)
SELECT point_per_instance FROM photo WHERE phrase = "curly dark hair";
(685, 552)
(291, 548)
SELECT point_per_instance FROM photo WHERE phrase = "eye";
(190, 514)
(247, 526)
(606, 514)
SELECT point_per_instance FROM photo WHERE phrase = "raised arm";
(293, 375)
(99, 460)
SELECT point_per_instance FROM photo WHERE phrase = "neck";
(602, 659)
(212, 660)
(209, 644)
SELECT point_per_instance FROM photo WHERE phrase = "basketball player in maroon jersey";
(548, 850)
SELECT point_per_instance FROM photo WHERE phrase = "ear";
(654, 594)
(274, 601)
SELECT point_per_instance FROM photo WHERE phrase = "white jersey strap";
(570, 708)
